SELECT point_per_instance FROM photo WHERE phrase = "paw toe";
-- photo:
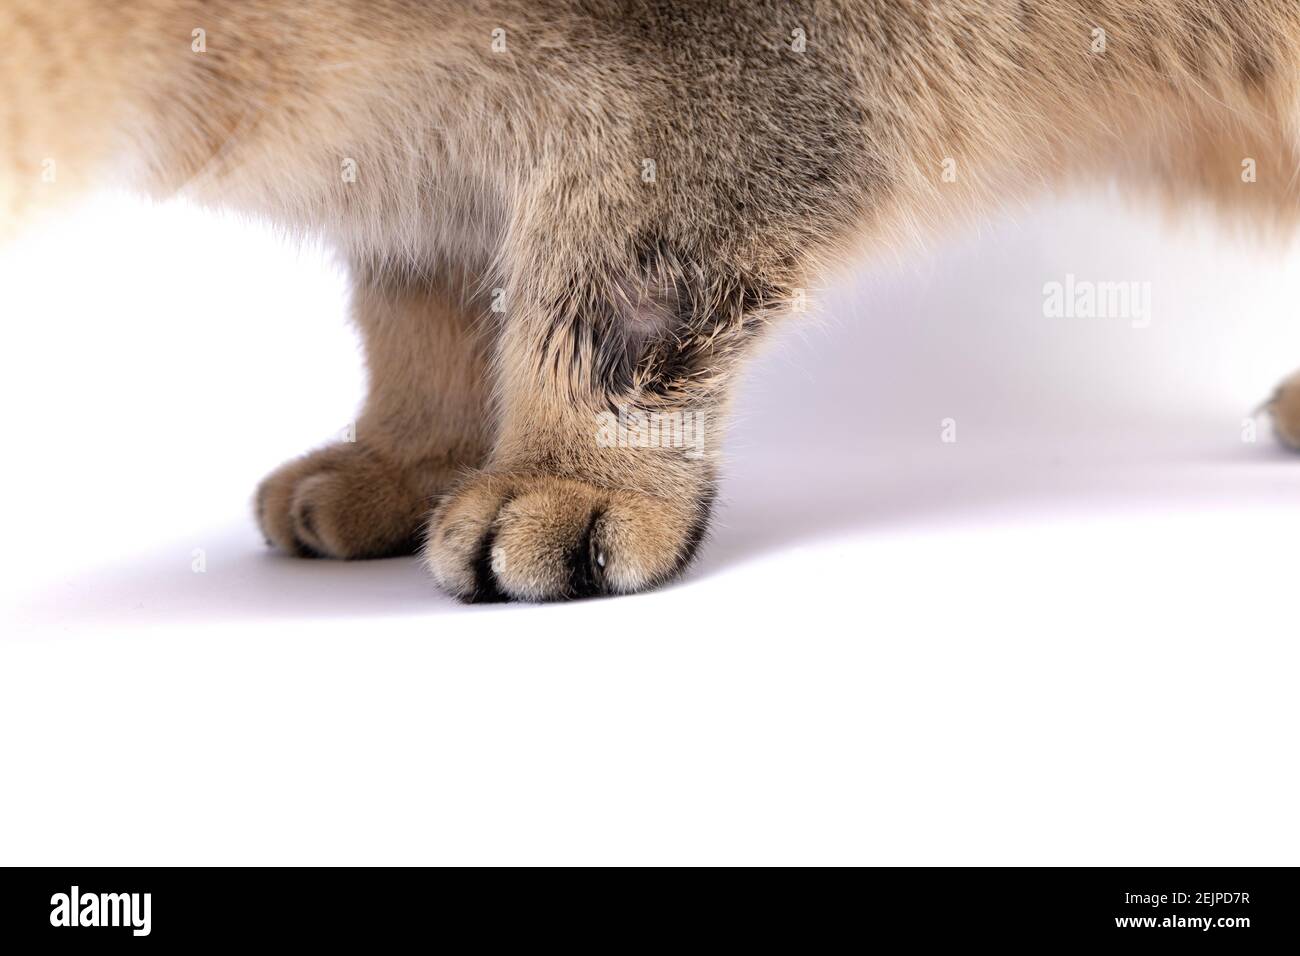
(541, 538)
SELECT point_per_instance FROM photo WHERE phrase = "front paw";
(530, 537)
(345, 501)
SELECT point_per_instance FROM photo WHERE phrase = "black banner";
(1222, 909)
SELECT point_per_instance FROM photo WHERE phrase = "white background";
(1069, 638)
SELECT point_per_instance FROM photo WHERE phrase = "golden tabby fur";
(559, 210)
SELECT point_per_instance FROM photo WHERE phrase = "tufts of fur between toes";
(543, 538)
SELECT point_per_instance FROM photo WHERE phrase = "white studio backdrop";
(1067, 637)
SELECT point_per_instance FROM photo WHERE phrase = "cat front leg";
(614, 370)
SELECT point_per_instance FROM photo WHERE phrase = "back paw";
(1284, 409)
(347, 501)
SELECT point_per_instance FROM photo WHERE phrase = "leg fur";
(602, 331)
(426, 419)
(652, 183)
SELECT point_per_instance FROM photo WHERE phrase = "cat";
(570, 222)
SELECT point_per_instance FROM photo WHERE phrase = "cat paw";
(1284, 408)
(500, 537)
(344, 501)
